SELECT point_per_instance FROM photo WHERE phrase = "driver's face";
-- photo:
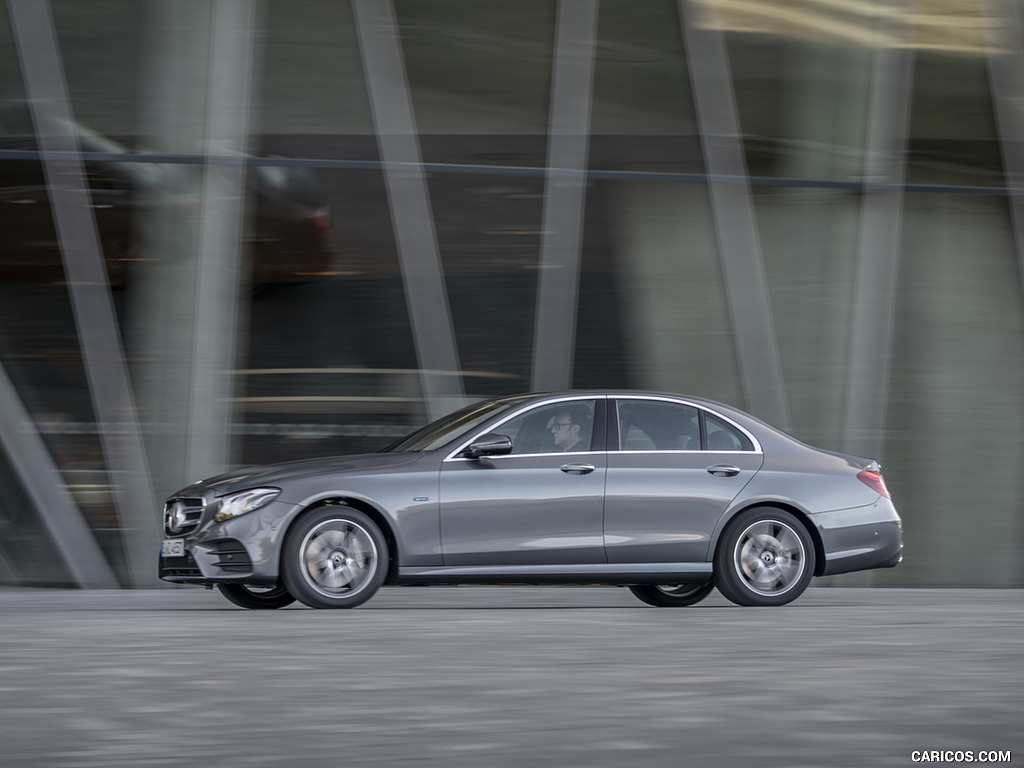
(564, 431)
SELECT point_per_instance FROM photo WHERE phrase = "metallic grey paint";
(595, 516)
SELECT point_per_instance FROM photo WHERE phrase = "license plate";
(172, 548)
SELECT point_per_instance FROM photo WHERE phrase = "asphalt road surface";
(477, 677)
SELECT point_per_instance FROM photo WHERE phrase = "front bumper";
(244, 549)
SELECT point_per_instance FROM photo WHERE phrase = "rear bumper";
(861, 538)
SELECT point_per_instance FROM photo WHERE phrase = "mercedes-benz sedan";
(668, 495)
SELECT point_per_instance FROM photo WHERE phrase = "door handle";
(723, 470)
(579, 469)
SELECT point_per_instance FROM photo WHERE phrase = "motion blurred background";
(244, 231)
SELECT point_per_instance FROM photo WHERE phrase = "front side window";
(556, 428)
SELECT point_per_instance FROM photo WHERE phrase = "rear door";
(673, 469)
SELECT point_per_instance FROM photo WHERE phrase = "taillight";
(874, 481)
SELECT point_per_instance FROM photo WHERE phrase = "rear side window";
(658, 425)
(654, 425)
(722, 436)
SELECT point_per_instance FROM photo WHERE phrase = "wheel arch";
(799, 514)
(368, 509)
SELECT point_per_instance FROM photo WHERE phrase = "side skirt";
(603, 573)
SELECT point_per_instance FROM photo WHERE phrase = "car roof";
(606, 393)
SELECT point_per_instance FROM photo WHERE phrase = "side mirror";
(491, 444)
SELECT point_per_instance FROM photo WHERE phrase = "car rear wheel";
(672, 595)
(255, 597)
(334, 557)
(765, 557)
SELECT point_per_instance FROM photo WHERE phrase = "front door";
(541, 504)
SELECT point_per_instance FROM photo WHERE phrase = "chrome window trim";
(536, 455)
(684, 450)
(682, 401)
(454, 455)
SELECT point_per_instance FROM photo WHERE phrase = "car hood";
(276, 474)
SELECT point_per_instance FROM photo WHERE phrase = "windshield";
(451, 427)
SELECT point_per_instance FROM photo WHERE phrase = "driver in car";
(567, 432)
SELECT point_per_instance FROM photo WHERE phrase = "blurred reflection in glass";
(292, 336)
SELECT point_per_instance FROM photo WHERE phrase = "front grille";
(231, 556)
(182, 515)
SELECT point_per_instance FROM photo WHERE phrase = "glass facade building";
(244, 231)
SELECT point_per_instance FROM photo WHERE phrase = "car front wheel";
(334, 557)
(765, 557)
(672, 595)
(255, 597)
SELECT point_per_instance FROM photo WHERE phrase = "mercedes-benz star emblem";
(175, 516)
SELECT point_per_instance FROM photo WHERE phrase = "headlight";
(244, 501)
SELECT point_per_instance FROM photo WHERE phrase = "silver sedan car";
(668, 495)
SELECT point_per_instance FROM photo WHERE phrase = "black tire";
(255, 597)
(334, 557)
(765, 557)
(672, 595)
